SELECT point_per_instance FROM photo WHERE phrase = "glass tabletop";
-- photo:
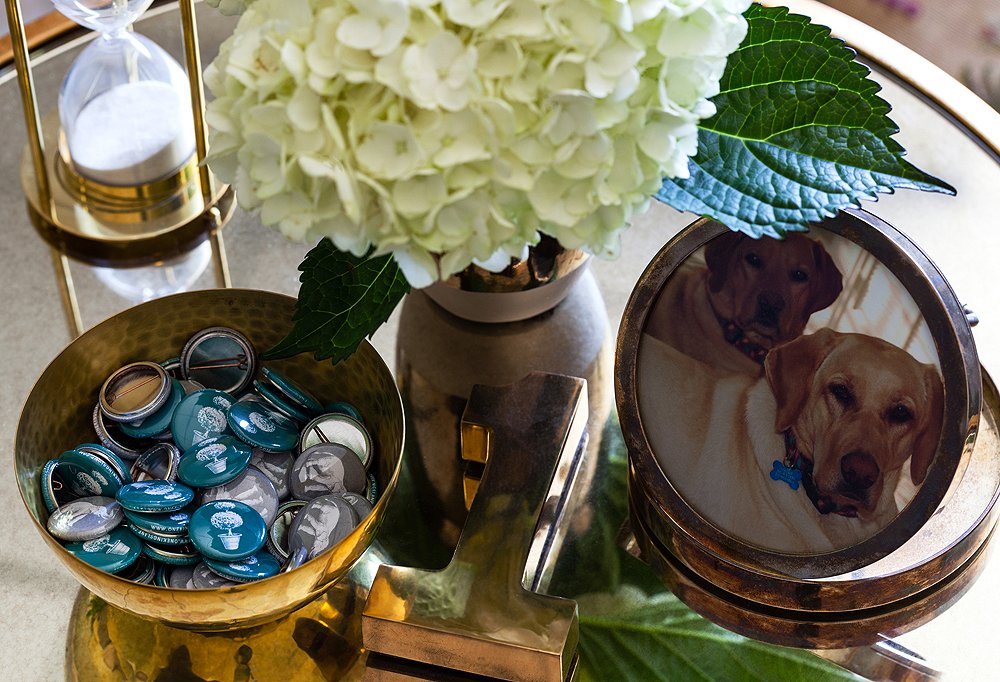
(937, 118)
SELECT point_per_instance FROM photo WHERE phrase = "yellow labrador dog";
(753, 295)
(846, 411)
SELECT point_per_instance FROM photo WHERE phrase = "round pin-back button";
(227, 530)
(159, 462)
(341, 407)
(158, 538)
(86, 474)
(179, 555)
(113, 439)
(200, 416)
(360, 503)
(172, 367)
(321, 524)
(219, 358)
(213, 462)
(342, 429)
(204, 578)
(54, 491)
(169, 523)
(292, 391)
(110, 553)
(256, 567)
(157, 423)
(252, 488)
(262, 428)
(143, 571)
(277, 532)
(85, 519)
(180, 577)
(327, 468)
(110, 458)
(134, 392)
(154, 496)
(277, 466)
(273, 398)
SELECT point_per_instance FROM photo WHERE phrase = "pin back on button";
(342, 429)
(220, 358)
(159, 462)
(134, 392)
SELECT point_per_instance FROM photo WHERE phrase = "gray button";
(320, 525)
(252, 488)
(327, 468)
(182, 578)
(203, 578)
(277, 466)
(85, 519)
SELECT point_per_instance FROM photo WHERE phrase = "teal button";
(213, 462)
(199, 416)
(154, 496)
(87, 475)
(158, 422)
(276, 400)
(262, 428)
(111, 553)
(180, 555)
(51, 485)
(295, 393)
(158, 538)
(341, 407)
(110, 458)
(227, 530)
(256, 567)
(170, 523)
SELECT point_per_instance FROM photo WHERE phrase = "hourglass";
(114, 178)
(124, 105)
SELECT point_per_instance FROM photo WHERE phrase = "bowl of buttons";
(180, 477)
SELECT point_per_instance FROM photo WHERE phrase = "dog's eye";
(799, 276)
(842, 393)
(754, 260)
(899, 414)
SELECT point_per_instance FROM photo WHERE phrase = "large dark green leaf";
(342, 300)
(629, 637)
(799, 133)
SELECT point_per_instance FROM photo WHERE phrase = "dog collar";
(797, 468)
(736, 337)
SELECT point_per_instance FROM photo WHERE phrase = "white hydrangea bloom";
(450, 132)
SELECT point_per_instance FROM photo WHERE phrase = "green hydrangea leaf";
(342, 300)
(799, 133)
(628, 636)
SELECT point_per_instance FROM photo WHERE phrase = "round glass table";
(945, 128)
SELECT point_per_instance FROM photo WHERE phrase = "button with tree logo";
(227, 530)
(111, 553)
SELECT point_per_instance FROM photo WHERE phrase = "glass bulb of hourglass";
(124, 105)
(102, 16)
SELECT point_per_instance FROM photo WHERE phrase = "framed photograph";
(799, 405)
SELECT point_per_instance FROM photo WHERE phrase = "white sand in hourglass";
(131, 134)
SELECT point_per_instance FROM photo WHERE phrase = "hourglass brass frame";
(108, 225)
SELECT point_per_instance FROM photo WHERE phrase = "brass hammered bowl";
(57, 416)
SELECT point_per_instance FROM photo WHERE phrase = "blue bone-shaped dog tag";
(791, 476)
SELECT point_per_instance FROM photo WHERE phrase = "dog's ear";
(789, 369)
(827, 281)
(719, 256)
(926, 444)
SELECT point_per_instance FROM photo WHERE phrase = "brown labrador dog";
(855, 407)
(752, 296)
(858, 407)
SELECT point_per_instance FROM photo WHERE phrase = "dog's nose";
(859, 469)
(769, 307)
